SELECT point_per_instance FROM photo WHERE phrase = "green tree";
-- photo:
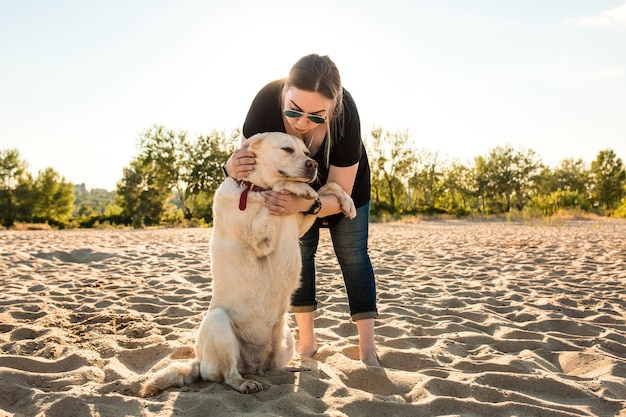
(164, 152)
(485, 184)
(427, 182)
(25, 198)
(169, 163)
(608, 178)
(500, 166)
(204, 175)
(141, 195)
(565, 187)
(620, 213)
(54, 197)
(526, 169)
(572, 175)
(158, 170)
(459, 184)
(392, 161)
(89, 203)
(12, 170)
(506, 174)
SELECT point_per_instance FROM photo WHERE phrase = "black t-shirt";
(265, 115)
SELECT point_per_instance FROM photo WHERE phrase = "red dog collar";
(248, 186)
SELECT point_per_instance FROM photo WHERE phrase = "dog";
(255, 263)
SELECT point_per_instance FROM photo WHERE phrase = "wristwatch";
(315, 208)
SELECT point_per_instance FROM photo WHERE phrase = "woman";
(312, 105)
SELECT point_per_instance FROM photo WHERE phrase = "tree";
(165, 152)
(204, 174)
(459, 184)
(572, 175)
(12, 170)
(169, 163)
(392, 161)
(91, 203)
(47, 198)
(140, 194)
(526, 170)
(608, 178)
(53, 197)
(427, 182)
(506, 173)
(153, 175)
(620, 213)
(25, 197)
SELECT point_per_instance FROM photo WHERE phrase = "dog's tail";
(176, 374)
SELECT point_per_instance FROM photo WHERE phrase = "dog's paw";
(345, 201)
(249, 386)
(308, 193)
(347, 206)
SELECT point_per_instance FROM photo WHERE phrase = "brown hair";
(319, 74)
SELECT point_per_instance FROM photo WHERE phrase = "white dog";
(256, 263)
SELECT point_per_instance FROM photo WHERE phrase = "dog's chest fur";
(253, 250)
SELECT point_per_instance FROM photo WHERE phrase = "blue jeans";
(349, 239)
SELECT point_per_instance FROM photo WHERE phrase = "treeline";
(410, 181)
(173, 178)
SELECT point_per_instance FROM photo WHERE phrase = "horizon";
(82, 81)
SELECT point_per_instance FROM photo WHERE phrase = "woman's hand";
(240, 163)
(284, 203)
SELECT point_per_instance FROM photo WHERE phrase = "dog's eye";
(289, 150)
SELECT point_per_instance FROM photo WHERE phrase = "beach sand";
(476, 319)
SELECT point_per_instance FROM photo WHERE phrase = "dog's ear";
(253, 140)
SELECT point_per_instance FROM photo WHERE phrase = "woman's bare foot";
(367, 346)
(307, 346)
(306, 350)
(370, 359)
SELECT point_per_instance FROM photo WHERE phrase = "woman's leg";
(307, 345)
(367, 345)
(350, 243)
(303, 300)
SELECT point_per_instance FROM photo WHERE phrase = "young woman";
(311, 104)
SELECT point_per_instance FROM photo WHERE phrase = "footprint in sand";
(80, 256)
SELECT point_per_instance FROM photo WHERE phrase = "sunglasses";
(294, 114)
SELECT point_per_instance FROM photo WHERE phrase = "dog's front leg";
(300, 189)
(238, 383)
(218, 352)
(345, 201)
(263, 233)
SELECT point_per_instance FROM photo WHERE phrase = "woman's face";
(307, 102)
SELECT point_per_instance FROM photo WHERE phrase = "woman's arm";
(344, 176)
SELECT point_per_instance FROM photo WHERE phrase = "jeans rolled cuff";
(364, 316)
(303, 309)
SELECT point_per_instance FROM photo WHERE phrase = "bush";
(97, 221)
(560, 200)
(620, 213)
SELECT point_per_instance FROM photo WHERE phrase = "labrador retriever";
(255, 263)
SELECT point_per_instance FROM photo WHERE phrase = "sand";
(476, 319)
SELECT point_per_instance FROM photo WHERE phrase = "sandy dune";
(476, 319)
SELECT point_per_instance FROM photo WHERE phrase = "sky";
(81, 80)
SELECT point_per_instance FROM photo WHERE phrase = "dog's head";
(280, 157)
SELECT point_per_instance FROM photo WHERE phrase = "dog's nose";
(311, 164)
